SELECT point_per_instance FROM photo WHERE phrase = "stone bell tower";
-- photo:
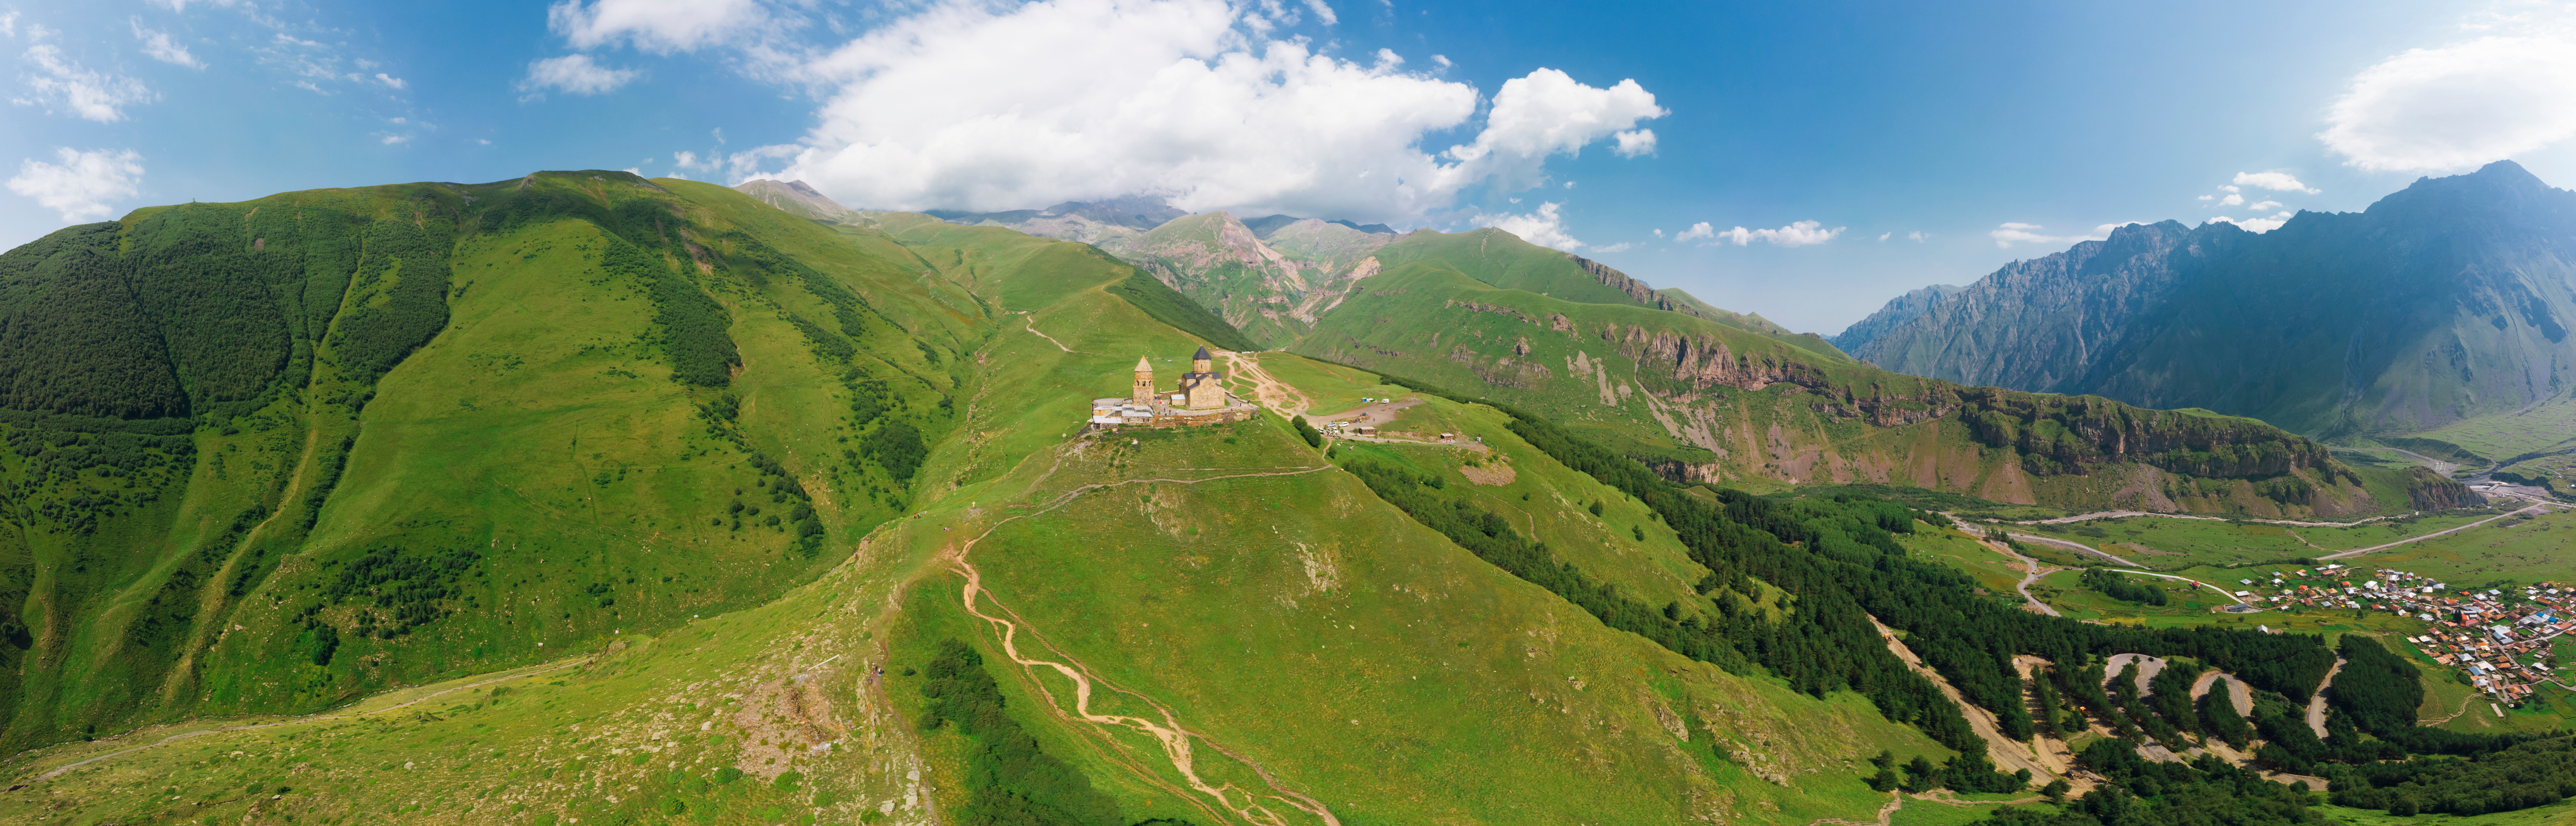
(1143, 391)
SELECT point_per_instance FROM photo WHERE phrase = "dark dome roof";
(1203, 353)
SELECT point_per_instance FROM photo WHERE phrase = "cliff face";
(1897, 313)
(2448, 300)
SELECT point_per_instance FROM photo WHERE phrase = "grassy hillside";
(1714, 403)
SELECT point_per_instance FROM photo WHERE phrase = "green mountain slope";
(1715, 403)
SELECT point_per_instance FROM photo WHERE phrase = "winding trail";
(513, 674)
(2030, 567)
(1895, 800)
(1177, 742)
(1266, 391)
(1032, 326)
(2464, 709)
(2317, 701)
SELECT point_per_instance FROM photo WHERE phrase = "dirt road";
(1272, 393)
(2534, 509)
(2031, 571)
(2317, 701)
(2008, 754)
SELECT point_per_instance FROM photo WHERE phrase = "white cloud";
(81, 186)
(1659, 233)
(2276, 181)
(1697, 231)
(182, 5)
(635, 172)
(159, 46)
(1548, 113)
(1546, 227)
(1798, 234)
(2256, 224)
(1622, 246)
(662, 26)
(9, 24)
(92, 95)
(575, 74)
(391, 140)
(2259, 206)
(391, 81)
(1917, 236)
(1634, 143)
(2208, 197)
(2232, 199)
(483, 141)
(1885, 235)
(2461, 104)
(970, 105)
(2018, 233)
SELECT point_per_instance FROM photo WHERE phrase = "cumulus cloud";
(577, 74)
(2232, 199)
(9, 24)
(81, 186)
(2260, 206)
(2011, 233)
(2462, 104)
(93, 95)
(2256, 224)
(969, 105)
(2276, 181)
(1634, 143)
(1917, 236)
(389, 80)
(1546, 227)
(661, 26)
(1797, 234)
(1882, 237)
(159, 46)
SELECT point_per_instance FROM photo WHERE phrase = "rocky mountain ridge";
(2447, 301)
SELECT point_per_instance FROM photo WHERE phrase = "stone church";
(1200, 399)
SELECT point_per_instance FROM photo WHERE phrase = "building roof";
(1143, 366)
(1203, 353)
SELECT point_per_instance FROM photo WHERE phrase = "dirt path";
(2030, 568)
(2464, 709)
(2359, 551)
(2074, 546)
(1032, 326)
(2007, 753)
(513, 674)
(2081, 517)
(2221, 591)
(1895, 800)
(2237, 694)
(2139, 667)
(1177, 742)
(2317, 701)
(1268, 392)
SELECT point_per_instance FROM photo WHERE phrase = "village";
(2500, 638)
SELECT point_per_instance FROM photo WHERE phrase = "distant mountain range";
(2441, 310)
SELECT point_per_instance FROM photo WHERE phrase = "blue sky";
(1966, 135)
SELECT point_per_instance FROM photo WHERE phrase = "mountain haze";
(2445, 302)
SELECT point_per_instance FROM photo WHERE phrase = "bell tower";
(1143, 390)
